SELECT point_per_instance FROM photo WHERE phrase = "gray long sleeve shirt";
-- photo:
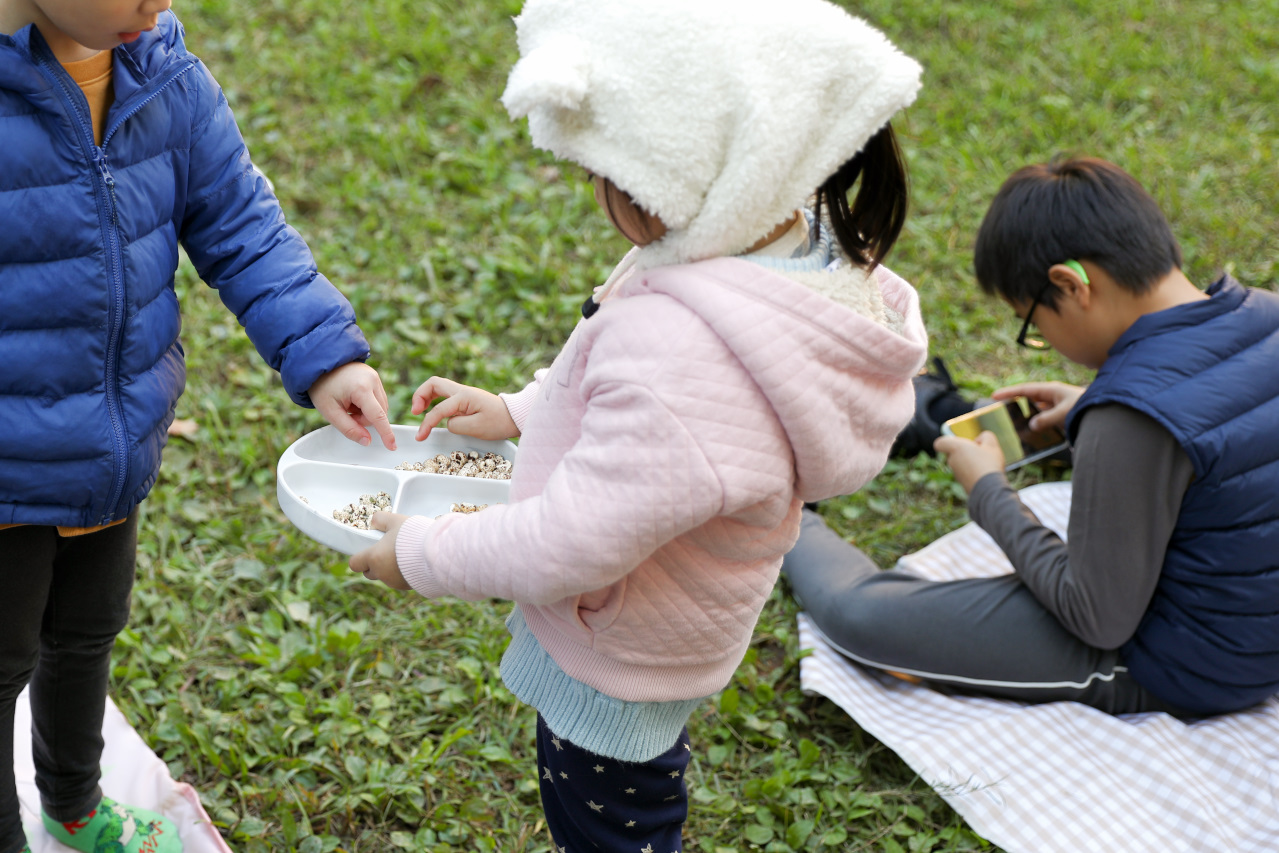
(1130, 476)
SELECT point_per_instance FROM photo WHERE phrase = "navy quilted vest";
(1209, 373)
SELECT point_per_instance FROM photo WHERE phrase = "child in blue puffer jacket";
(117, 146)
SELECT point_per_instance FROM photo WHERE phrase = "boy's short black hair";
(1081, 209)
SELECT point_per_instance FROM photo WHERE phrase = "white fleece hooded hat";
(719, 116)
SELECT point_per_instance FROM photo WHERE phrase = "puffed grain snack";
(357, 514)
(485, 466)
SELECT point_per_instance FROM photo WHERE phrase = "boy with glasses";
(1166, 594)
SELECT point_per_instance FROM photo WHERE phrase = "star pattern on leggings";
(548, 775)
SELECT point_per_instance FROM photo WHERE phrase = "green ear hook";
(1079, 268)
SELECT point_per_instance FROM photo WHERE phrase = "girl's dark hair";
(1072, 209)
(868, 229)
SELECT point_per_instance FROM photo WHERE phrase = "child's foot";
(113, 828)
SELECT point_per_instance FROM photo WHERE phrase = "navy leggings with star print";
(597, 803)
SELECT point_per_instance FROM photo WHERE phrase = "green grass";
(314, 711)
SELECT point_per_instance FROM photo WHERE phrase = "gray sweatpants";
(987, 636)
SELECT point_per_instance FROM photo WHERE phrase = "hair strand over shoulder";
(868, 228)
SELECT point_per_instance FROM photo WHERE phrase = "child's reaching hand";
(379, 563)
(471, 411)
(351, 398)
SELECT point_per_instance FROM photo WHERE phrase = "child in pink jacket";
(747, 356)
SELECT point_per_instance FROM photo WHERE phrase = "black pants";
(62, 603)
(596, 803)
(987, 636)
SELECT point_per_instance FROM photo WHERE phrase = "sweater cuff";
(410, 554)
(519, 403)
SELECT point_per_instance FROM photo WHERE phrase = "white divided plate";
(329, 471)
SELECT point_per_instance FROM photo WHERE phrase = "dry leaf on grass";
(183, 428)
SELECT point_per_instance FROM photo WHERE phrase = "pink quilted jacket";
(663, 462)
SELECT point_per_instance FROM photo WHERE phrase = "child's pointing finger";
(447, 409)
(436, 386)
(372, 412)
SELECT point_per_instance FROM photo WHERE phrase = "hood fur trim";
(719, 116)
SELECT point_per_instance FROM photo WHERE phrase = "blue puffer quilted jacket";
(90, 364)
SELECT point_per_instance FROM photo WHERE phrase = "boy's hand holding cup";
(971, 459)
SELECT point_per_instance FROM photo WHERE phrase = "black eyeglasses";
(1033, 343)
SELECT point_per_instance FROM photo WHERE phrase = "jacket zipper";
(105, 190)
(115, 325)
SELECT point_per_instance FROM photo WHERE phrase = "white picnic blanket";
(131, 773)
(1063, 776)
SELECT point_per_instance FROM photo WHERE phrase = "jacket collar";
(148, 57)
(135, 63)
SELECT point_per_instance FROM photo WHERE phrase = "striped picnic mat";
(1063, 776)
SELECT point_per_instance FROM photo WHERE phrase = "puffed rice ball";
(359, 513)
(484, 466)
